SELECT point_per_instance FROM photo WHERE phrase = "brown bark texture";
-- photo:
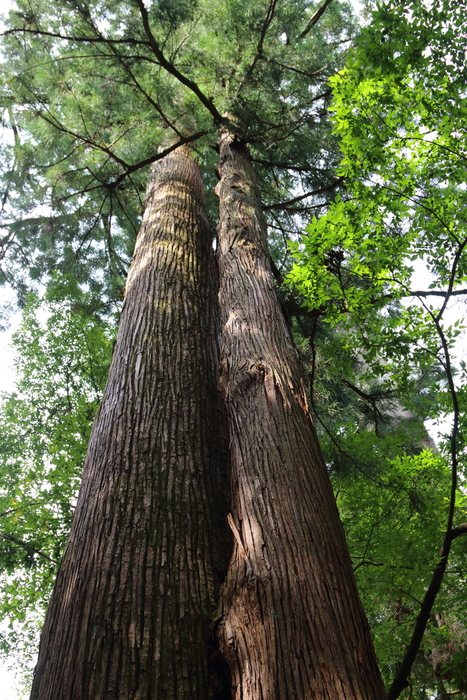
(131, 613)
(292, 625)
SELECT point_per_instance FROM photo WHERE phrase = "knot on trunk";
(250, 372)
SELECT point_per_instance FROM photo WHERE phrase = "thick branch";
(458, 531)
(152, 159)
(400, 681)
(170, 68)
(436, 293)
(314, 19)
(364, 395)
(452, 278)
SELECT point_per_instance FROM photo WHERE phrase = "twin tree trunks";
(206, 557)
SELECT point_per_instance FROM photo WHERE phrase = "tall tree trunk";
(293, 626)
(131, 613)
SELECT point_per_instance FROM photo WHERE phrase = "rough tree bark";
(292, 624)
(131, 613)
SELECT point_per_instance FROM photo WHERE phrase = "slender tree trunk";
(292, 626)
(131, 613)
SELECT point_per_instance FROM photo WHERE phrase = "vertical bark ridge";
(130, 614)
(292, 626)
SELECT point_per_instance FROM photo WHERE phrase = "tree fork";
(131, 613)
(292, 625)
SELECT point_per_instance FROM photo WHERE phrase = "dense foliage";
(399, 108)
(107, 87)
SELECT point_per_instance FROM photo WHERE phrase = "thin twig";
(28, 547)
(289, 202)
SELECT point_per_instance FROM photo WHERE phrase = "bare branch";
(314, 19)
(15, 510)
(304, 209)
(419, 203)
(290, 166)
(27, 546)
(458, 531)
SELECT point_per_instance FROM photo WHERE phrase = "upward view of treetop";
(206, 557)
(111, 87)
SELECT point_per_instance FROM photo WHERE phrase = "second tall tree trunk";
(293, 627)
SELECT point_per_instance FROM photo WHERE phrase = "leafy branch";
(27, 546)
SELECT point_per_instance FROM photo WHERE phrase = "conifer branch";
(289, 202)
(304, 72)
(148, 97)
(53, 121)
(78, 39)
(158, 156)
(259, 50)
(170, 68)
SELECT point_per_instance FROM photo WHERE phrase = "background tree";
(405, 177)
(62, 360)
